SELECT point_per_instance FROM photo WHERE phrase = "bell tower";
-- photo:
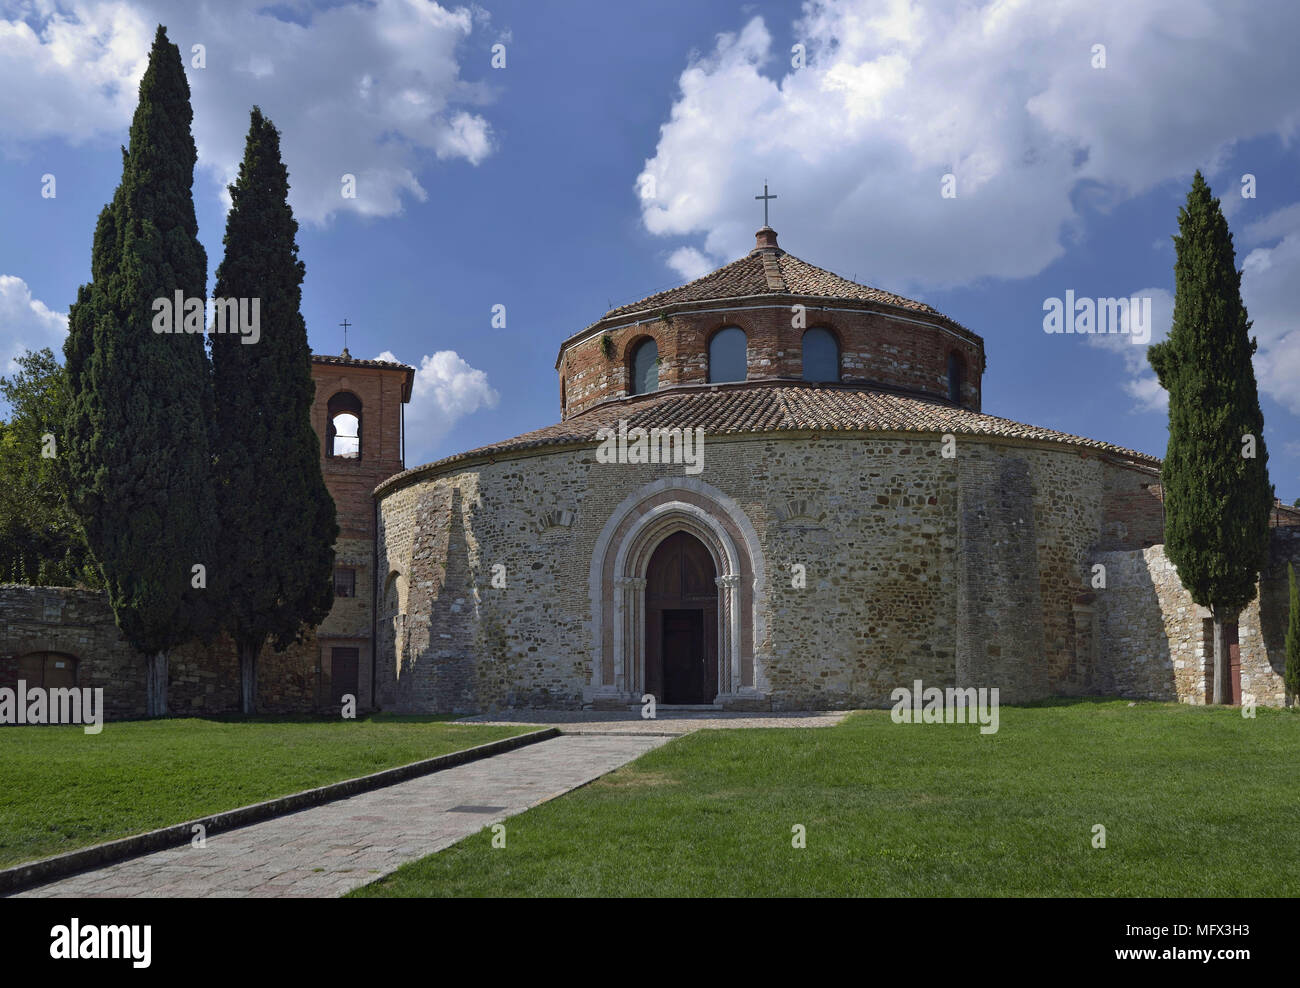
(359, 417)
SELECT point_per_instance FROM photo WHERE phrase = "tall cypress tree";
(1215, 474)
(277, 517)
(140, 402)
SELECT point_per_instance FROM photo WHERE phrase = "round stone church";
(770, 489)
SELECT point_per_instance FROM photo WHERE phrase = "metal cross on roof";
(765, 197)
(345, 324)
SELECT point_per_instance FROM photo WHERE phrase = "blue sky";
(526, 185)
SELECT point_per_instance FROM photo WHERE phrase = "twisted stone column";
(629, 642)
(729, 671)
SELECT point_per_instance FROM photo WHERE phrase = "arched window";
(728, 355)
(392, 594)
(48, 670)
(821, 356)
(956, 373)
(391, 623)
(344, 438)
(645, 368)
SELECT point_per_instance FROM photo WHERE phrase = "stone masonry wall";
(1155, 643)
(204, 679)
(949, 570)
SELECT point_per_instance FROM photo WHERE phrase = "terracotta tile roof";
(769, 271)
(787, 407)
(348, 359)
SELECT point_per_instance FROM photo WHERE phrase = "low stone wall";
(1154, 642)
(203, 679)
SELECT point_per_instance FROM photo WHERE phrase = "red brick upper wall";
(382, 389)
(876, 347)
(1132, 503)
(1133, 512)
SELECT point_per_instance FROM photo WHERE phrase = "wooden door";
(684, 654)
(681, 649)
(50, 670)
(343, 673)
(60, 672)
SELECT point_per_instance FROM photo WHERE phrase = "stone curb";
(33, 873)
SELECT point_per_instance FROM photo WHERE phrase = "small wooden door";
(684, 654)
(51, 670)
(1234, 663)
(343, 673)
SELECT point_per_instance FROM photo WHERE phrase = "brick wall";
(896, 351)
(1134, 508)
(351, 481)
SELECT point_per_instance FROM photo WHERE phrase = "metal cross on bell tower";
(765, 197)
(345, 324)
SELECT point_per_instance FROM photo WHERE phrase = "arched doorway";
(681, 627)
(620, 564)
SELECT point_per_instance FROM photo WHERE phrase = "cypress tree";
(277, 517)
(1291, 674)
(140, 402)
(1215, 474)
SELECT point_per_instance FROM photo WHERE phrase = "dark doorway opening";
(343, 673)
(683, 650)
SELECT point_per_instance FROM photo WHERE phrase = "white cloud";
(690, 263)
(1268, 287)
(368, 89)
(1141, 383)
(74, 73)
(26, 323)
(1146, 392)
(467, 137)
(446, 389)
(1276, 225)
(1003, 95)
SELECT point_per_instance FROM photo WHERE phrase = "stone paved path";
(328, 850)
(667, 721)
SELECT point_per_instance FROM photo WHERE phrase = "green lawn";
(61, 789)
(1195, 802)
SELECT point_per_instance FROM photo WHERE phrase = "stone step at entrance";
(679, 708)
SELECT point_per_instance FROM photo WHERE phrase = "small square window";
(345, 583)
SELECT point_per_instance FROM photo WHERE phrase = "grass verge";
(1195, 802)
(64, 789)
